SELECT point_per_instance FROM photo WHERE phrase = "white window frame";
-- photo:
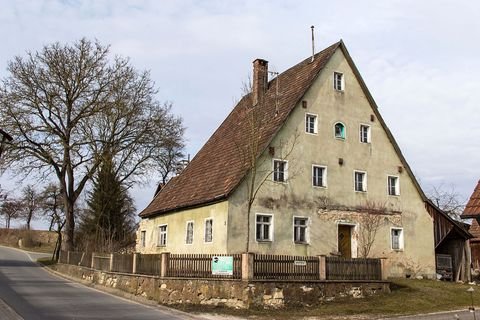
(400, 239)
(306, 227)
(143, 238)
(324, 176)
(186, 232)
(307, 123)
(160, 233)
(344, 131)
(364, 182)
(342, 81)
(270, 231)
(285, 170)
(205, 231)
(397, 185)
(369, 130)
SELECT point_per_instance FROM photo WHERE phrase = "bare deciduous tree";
(447, 199)
(10, 209)
(371, 218)
(67, 104)
(51, 204)
(250, 149)
(30, 204)
(167, 161)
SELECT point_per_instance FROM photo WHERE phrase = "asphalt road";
(29, 292)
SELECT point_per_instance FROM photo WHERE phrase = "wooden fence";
(246, 266)
(200, 266)
(122, 262)
(149, 264)
(101, 261)
(266, 266)
(353, 269)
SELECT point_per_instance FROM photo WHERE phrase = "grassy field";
(407, 297)
(32, 240)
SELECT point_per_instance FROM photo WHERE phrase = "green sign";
(222, 266)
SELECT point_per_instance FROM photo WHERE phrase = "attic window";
(338, 83)
(340, 130)
(364, 133)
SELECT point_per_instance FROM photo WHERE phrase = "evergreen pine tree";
(108, 223)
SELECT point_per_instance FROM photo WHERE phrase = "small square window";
(300, 228)
(310, 123)
(143, 236)
(397, 238)
(364, 133)
(189, 233)
(264, 227)
(360, 181)
(162, 236)
(209, 230)
(339, 130)
(319, 176)
(279, 170)
(338, 83)
(393, 186)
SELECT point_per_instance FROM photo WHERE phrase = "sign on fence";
(222, 266)
(299, 263)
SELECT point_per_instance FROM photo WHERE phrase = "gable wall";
(327, 207)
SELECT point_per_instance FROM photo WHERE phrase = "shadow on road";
(17, 263)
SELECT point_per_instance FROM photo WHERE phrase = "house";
(303, 165)
(452, 245)
(472, 211)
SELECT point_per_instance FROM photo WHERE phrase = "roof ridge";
(216, 170)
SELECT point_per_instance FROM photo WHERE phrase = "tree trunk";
(29, 219)
(56, 253)
(69, 226)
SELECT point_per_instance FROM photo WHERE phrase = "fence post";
(110, 268)
(68, 257)
(383, 266)
(164, 264)
(247, 266)
(135, 260)
(322, 267)
(93, 260)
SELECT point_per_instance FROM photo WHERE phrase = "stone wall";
(230, 293)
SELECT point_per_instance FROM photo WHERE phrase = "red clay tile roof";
(217, 169)
(475, 230)
(472, 209)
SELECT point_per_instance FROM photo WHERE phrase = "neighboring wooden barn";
(472, 211)
(451, 244)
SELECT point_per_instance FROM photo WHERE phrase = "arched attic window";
(340, 130)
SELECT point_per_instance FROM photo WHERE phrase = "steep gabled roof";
(472, 209)
(217, 169)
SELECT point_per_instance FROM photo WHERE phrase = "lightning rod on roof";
(313, 43)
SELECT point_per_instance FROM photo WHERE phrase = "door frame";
(353, 237)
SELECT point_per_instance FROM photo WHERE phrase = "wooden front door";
(345, 240)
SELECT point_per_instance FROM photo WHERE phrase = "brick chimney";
(260, 80)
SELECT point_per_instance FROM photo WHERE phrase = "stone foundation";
(223, 292)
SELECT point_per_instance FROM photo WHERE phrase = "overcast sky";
(418, 58)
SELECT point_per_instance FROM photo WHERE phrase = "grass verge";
(46, 261)
(407, 297)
